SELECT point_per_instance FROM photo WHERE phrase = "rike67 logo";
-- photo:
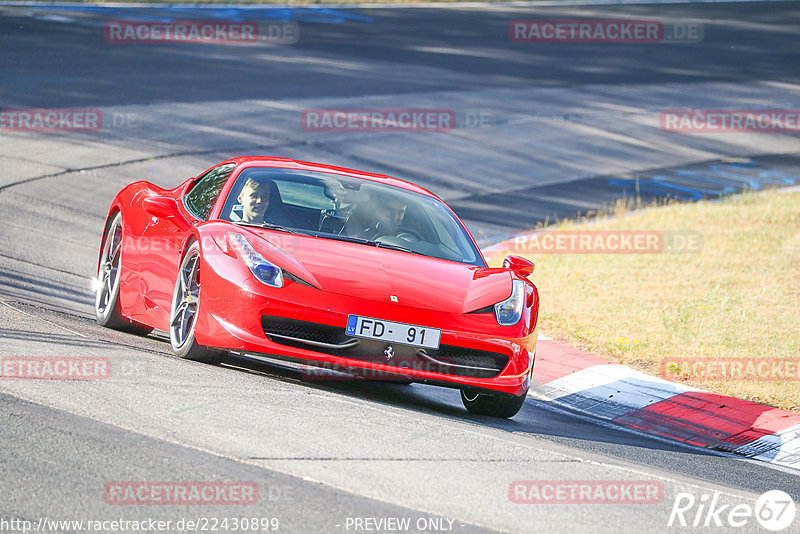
(774, 511)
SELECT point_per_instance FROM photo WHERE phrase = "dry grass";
(739, 297)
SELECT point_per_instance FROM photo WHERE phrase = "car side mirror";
(165, 208)
(161, 207)
(519, 265)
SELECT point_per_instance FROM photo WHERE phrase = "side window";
(201, 199)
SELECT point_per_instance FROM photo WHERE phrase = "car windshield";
(349, 209)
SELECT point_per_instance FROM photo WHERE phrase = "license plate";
(407, 334)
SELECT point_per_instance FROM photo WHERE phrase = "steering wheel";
(409, 234)
(388, 229)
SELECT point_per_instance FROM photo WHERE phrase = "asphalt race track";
(341, 457)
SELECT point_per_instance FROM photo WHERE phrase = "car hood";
(377, 274)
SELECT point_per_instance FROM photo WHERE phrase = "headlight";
(509, 312)
(266, 271)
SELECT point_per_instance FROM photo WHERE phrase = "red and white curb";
(580, 381)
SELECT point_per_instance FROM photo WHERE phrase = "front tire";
(503, 406)
(109, 272)
(184, 311)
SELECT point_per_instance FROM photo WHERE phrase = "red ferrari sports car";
(325, 266)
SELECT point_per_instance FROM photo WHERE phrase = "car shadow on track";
(542, 425)
(535, 418)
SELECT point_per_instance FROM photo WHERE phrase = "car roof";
(287, 163)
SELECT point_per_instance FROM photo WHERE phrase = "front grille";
(471, 357)
(448, 359)
(302, 330)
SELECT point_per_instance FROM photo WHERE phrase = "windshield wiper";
(377, 244)
(269, 226)
(278, 227)
(347, 238)
(395, 247)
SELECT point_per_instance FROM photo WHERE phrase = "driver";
(397, 211)
(393, 212)
(254, 199)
